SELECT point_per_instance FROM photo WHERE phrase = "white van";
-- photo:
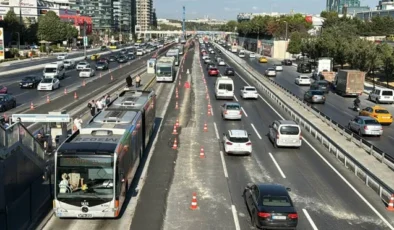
(224, 88)
(241, 54)
(285, 133)
(382, 95)
(140, 52)
(55, 70)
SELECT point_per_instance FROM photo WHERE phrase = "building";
(162, 21)
(207, 20)
(122, 15)
(144, 14)
(28, 9)
(384, 8)
(345, 6)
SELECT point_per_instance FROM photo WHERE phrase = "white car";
(207, 60)
(249, 92)
(231, 111)
(212, 51)
(222, 63)
(278, 67)
(270, 72)
(252, 55)
(237, 142)
(303, 80)
(82, 65)
(62, 56)
(88, 72)
(205, 57)
(49, 84)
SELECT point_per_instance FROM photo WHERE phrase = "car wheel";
(359, 133)
(51, 88)
(369, 98)
(275, 144)
(349, 127)
(14, 105)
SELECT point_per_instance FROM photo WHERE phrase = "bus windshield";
(164, 71)
(84, 177)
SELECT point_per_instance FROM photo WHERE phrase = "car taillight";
(229, 143)
(249, 143)
(376, 116)
(264, 214)
(240, 112)
(324, 98)
(314, 97)
(300, 136)
(277, 136)
(225, 112)
(293, 216)
(365, 127)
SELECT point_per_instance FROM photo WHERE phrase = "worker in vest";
(138, 81)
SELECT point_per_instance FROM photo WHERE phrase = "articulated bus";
(114, 45)
(96, 165)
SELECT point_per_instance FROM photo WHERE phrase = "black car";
(102, 65)
(7, 102)
(270, 206)
(229, 72)
(122, 59)
(30, 81)
(287, 62)
(103, 48)
(210, 65)
(112, 58)
(322, 85)
(304, 68)
(123, 51)
(130, 56)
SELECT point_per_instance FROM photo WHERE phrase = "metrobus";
(234, 47)
(114, 45)
(165, 69)
(95, 166)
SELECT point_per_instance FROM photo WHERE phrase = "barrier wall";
(268, 48)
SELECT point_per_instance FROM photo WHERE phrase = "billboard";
(2, 51)
(29, 7)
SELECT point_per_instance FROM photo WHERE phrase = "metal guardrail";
(377, 185)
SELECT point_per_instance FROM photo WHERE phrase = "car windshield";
(277, 65)
(381, 111)
(322, 83)
(303, 78)
(100, 63)
(239, 139)
(317, 92)
(371, 122)
(289, 130)
(270, 69)
(84, 177)
(50, 70)
(112, 57)
(31, 78)
(228, 87)
(164, 71)
(233, 107)
(82, 63)
(85, 70)
(213, 69)
(46, 80)
(275, 201)
(250, 89)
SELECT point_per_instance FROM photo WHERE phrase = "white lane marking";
(335, 170)
(216, 130)
(244, 112)
(235, 216)
(390, 137)
(224, 164)
(235, 98)
(277, 165)
(254, 128)
(308, 217)
(20, 94)
(211, 111)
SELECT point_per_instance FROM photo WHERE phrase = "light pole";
(287, 28)
(19, 40)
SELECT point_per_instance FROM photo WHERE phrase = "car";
(285, 133)
(62, 56)
(270, 206)
(103, 59)
(287, 62)
(252, 55)
(263, 60)
(229, 71)
(207, 60)
(321, 85)
(382, 95)
(95, 57)
(30, 81)
(213, 72)
(112, 58)
(130, 56)
(7, 102)
(69, 64)
(123, 51)
(365, 125)
(3, 89)
(88, 72)
(231, 111)
(212, 51)
(48, 84)
(102, 65)
(315, 96)
(103, 48)
(221, 62)
(270, 72)
(382, 115)
(210, 65)
(303, 80)
(249, 92)
(122, 59)
(278, 67)
(237, 141)
(205, 57)
(82, 65)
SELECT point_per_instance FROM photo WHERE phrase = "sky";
(228, 9)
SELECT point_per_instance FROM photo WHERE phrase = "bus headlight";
(110, 210)
(61, 210)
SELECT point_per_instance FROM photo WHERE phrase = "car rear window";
(239, 139)
(387, 93)
(322, 83)
(371, 122)
(275, 201)
(233, 107)
(381, 111)
(317, 93)
(289, 130)
(228, 87)
(229, 69)
(214, 69)
(250, 89)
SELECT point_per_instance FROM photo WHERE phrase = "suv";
(270, 72)
(237, 142)
(231, 111)
(322, 85)
(285, 133)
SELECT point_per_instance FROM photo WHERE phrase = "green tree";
(386, 52)
(50, 28)
(12, 25)
(295, 43)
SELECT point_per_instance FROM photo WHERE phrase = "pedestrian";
(78, 123)
(104, 101)
(99, 105)
(42, 140)
(137, 81)
(129, 81)
(92, 107)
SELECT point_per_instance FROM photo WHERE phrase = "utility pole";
(183, 22)
(20, 24)
(85, 38)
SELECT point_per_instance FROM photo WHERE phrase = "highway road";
(323, 198)
(36, 61)
(336, 107)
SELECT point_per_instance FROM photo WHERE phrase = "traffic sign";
(85, 41)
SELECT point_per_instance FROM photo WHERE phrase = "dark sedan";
(210, 65)
(102, 65)
(112, 58)
(287, 62)
(30, 82)
(103, 48)
(130, 56)
(122, 59)
(229, 72)
(270, 206)
(7, 102)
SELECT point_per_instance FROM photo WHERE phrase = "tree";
(50, 28)
(12, 25)
(386, 52)
(294, 46)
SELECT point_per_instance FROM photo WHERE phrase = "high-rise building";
(144, 14)
(122, 15)
(341, 6)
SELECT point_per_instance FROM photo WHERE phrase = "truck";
(165, 69)
(173, 53)
(349, 82)
(324, 70)
(176, 40)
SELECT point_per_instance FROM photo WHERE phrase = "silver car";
(364, 125)
(315, 96)
(231, 111)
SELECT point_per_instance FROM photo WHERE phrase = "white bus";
(95, 166)
(165, 69)
(234, 47)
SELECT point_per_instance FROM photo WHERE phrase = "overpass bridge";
(162, 33)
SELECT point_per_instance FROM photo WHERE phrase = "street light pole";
(287, 27)
(19, 40)
(85, 37)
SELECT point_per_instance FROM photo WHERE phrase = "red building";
(78, 22)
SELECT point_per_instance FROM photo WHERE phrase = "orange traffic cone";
(209, 112)
(176, 90)
(176, 105)
(48, 99)
(112, 78)
(175, 145)
(202, 153)
(207, 96)
(177, 123)
(205, 127)
(176, 96)
(31, 106)
(209, 106)
(179, 83)
(75, 96)
(194, 205)
(65, 91)
(390, 206)
(101, 75)
(174, 130)
(83, 83)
